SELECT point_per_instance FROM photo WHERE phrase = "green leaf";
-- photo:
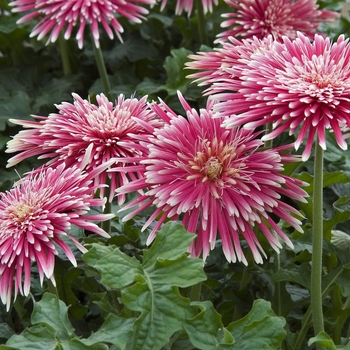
(260, 329)
(16, 106)
(53, 313)
(205, 330)
(323, 339)
(116, 268)
(176, 74)
(115, 330)
(35, 338)
(162, 313)
(154, 293)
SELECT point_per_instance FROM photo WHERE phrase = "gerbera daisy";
(261, 18)
(56, 16)
(215, 180)
(34, 216)
(298, 85)
(213, 65)
(85, 134)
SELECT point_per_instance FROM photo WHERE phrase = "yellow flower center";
(212, 168)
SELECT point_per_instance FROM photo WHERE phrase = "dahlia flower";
(56, 16)
(277, 17)
(187, 6)
(85, 134)
(213, 65)
(35, 214)
(215, 180)
(298, 85)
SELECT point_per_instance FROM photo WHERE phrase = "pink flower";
(261, 18)
(58, 16)
(215, 180)
(213, 66)
(35, 214)
(187, 5)
(85, 134)
(299, 86)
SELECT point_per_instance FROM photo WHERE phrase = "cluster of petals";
(300, 86)
(215, 180)
(86, 135)
(62, 16)
(212, 66)
(36, 215)
(187, 6)
(279, 18)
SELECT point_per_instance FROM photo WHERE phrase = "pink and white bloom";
(34, 216)
(187, 6)
(213, 66)
(86, 135)
(279, 18)
(299, 86)
(215, 180)
(62, 16)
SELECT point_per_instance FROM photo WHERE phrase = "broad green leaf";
(162, 312)
(5, 330)
(260, 329)
(205, 330)
(176, 74)
(34, 338)
(16, 106)
(116, 268)
(294, 273)
(328, 179)
(53, 313)
(172, 241)
(154, 293)
(78, 344)
(341, 214)
(323, 339)
(115, 330)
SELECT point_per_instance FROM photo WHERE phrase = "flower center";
(212, 168)
(21, 212)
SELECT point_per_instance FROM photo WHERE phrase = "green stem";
(201, 23)
(317, 240)
(64, 55)
(102, 70)
(306, 321)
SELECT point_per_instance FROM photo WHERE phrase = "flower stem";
(64, 55)
(317, 240)
(201, 23)
(102, 70)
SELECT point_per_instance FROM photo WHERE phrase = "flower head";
(85, 134)
(298, 85)
(214, 66)
(261, 18)
(35, 215)
(58, 16)
(216, 181)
